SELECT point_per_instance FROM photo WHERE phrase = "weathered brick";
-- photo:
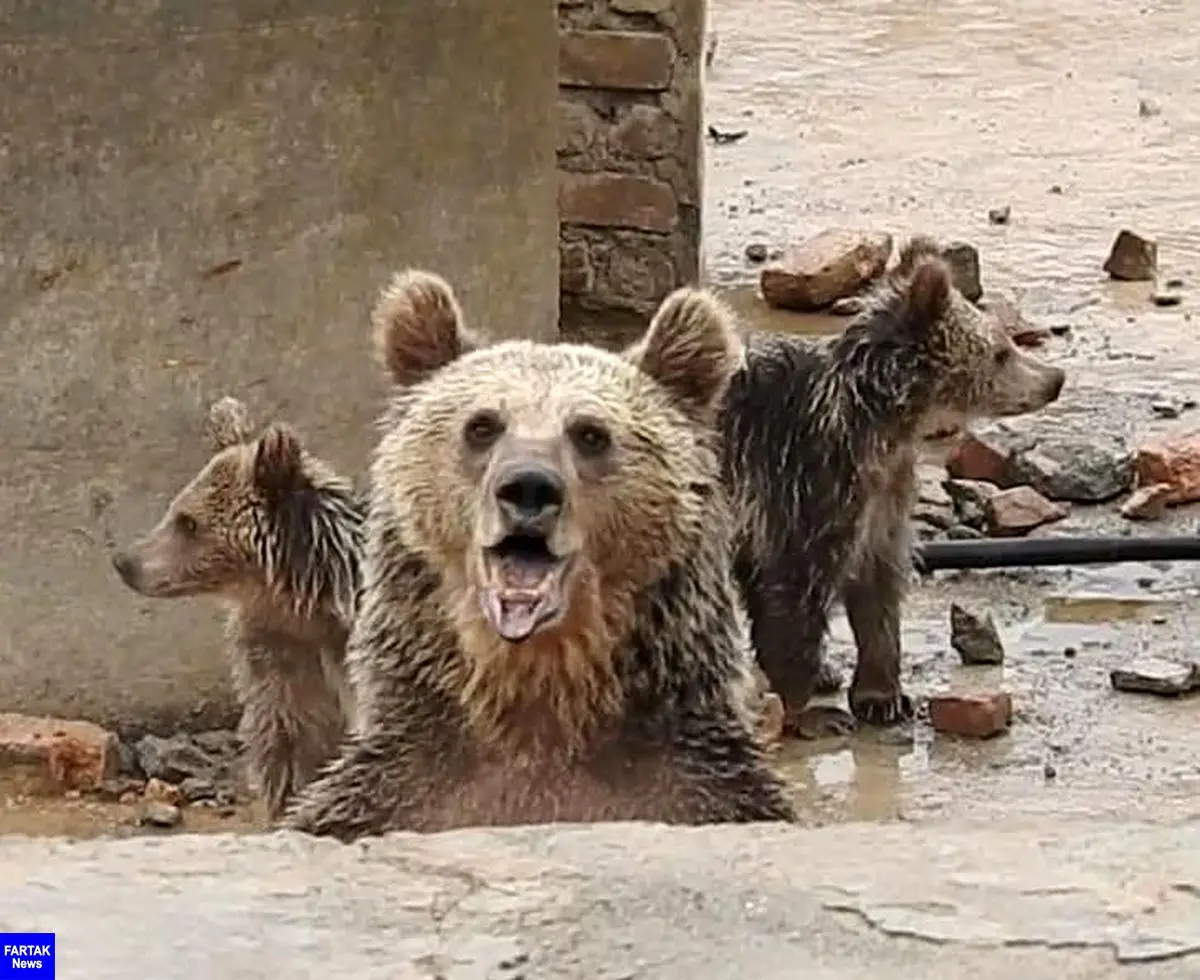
(615, 59)
(641, 6)
(575, 272)
(63, 755)
(608, 200)
(971, 715)
(577, 126)
(644, 132)
(637, 273)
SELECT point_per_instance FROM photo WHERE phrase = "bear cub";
(549, 629)
(277, 534)
(821, 444)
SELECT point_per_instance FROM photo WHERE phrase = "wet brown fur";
(636, 704)
(821, 444)
(276, 534)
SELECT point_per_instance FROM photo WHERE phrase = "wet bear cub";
(820, 452)
(277, 534)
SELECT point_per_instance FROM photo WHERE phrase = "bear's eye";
(590, 438)
(482, 430)
(186, 524)
(1003, 356)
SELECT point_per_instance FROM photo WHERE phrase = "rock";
(847, 306)
(155, 813)
(1000, 216)
(1176, 464)
(1147, 503)
(1014, 513)
(129, 765)
(984, 453)
(174, 759)
(219, 742)
(929, 485)
(963, 260)
(1010, 317)
(963, 532)
(975, 637)
(1166, 409)
(195, 789)
(835, 264)
(1165, 298)
(971, 715)
(1084, 472)
(62, 755)
(970, 499)
(1132, 258)
(939, 516)
(1148, 108)
(1155, 675)
(756, 252)
(163, 792)
(113, 790)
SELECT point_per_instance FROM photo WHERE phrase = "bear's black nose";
(125, 566)
(530, 498)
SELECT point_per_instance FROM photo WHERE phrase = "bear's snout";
(127, 567)
(530, 497)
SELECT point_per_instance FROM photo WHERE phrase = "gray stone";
(1041, 899)
(173, 759)
(970, 499)
(1075, 470)
(975, 637)
(963, 259)
(1155, 675)
(157, 813)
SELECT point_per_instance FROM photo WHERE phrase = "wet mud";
(1081, 118)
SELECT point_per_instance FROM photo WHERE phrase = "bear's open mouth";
(522, 586)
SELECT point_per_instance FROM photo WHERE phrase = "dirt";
(906, 117)
(1080, 119)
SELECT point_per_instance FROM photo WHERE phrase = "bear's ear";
(278, 461)
(693, 349)
(927, 295)
(916, 249)
(227, 424)
(419, 327)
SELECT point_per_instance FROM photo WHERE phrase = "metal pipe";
(936, 556)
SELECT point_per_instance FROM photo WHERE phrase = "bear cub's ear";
(278, 461)
(227, 424)
(419, 327)
(693, 349)
(924, 285)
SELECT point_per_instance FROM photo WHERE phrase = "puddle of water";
(748, 304)
(1098, 608)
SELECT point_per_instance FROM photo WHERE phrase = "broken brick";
(971, 715)
(62, 755)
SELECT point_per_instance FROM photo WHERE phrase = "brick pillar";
(630, 160)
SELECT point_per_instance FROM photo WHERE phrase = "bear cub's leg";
(789, 641)
(873, 598)
(293, 718)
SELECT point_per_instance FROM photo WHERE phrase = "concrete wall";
(630, 158)
(201, 198)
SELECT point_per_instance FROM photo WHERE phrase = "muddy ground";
(911, 117)
(896, 114)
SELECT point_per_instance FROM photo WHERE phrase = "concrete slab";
(1040, 901)
(204, 198)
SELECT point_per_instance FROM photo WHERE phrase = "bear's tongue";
(521, 594)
